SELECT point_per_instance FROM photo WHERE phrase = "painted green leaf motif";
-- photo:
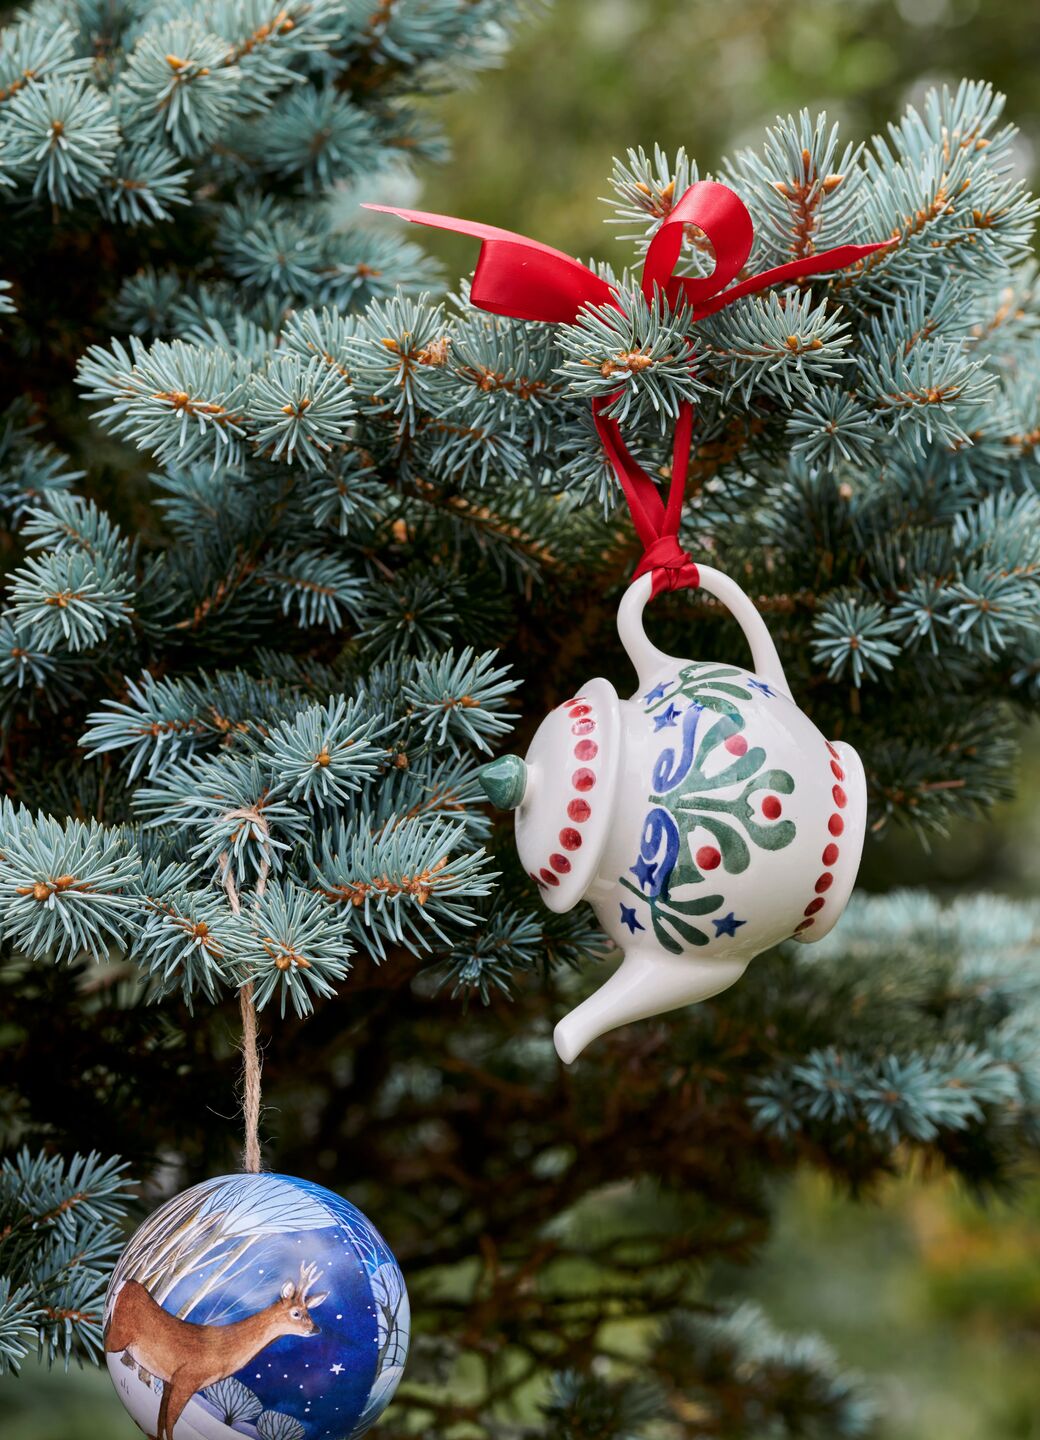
(712, 815)
(690, 786)
(727, 725)
(715, 686)
(685, 873)
(740, 768)
(666, 916)
(734, 823)
(736, 856)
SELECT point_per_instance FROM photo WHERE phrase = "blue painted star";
(761, 686)
(657, 693)
(628, 917)
(727, 925)
(667, 718)
(644, 871)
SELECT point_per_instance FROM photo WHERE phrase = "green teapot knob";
(504, 781)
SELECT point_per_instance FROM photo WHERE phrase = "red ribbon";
(527, 280)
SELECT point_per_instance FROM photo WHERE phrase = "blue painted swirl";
(668, 771)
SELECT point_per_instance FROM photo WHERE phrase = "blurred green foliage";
(933, 1295)
(587, 79)
(46, 1405)
(1000, 852)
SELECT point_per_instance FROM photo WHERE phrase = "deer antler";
(305, 1284)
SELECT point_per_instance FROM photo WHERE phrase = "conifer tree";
(294, 541)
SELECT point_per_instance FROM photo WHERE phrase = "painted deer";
(188, 1357)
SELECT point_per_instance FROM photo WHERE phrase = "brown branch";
(803, 195)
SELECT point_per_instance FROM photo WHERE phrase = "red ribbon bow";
(527, 280)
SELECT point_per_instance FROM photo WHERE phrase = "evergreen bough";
(326, 537)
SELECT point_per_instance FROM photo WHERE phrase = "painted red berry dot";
(815, 905)
(570, 839)
(560, 863)
(575, 700)
(837, 771)
(825, 882)
(830, 854)
(831, 748)
(840, 798)
(835, 824)
(803, 926)
(583, 779)
(736, 744)
(549, 877)
(579, 710)
(583, 727)
(580, 810)
(586, 750)
(771, 807)
(708, 857)
(536, 878)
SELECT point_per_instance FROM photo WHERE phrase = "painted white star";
(336, 1369)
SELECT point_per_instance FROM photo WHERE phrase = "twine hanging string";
(527, 280)
(251, 1059)
(250, 1080)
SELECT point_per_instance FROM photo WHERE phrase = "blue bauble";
(259, 1306)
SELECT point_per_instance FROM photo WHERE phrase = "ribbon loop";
(724, 218)
(516, 276)
(525, 279)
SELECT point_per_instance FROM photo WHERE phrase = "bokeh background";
(929, 1291)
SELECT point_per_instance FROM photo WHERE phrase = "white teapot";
(704, 819)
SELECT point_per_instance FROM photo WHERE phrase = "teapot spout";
(647, 982)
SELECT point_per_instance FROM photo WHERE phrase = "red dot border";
(583, 724)
(831, 851)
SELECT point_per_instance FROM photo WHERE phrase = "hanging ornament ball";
(260, 1306)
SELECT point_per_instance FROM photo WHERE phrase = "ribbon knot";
(671, 566)
(527, 280)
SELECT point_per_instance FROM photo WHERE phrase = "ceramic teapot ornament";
(704, 819)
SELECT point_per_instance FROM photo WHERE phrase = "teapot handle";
(648, 660)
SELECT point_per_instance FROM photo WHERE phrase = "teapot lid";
(564, 818)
